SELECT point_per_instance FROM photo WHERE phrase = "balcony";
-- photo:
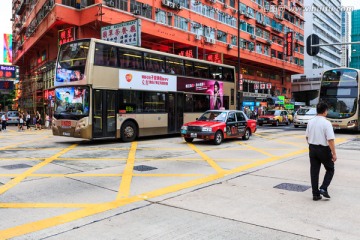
(21, 7)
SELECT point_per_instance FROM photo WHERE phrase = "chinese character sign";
(66, 35)
(126, 33)
(289, 44)
(215, 57)
(7, 48)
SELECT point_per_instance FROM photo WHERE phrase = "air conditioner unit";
(157, 10)
(177, 6)
(198, 37)
(197, 25)
(229, 46)
(197, 3)
(252, 36)
(110, 3)
(269, 42)
(212, 40)
(225, 6)
(247, 15)
(234, 11)
(207, 39)
(170, 14)
(212, 1)
(136, 12)
(165, 2)
(145, 6)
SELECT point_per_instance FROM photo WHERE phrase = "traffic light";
(312, 39)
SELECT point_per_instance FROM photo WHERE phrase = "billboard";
(126, 33)
(9, 72)
(7, 48)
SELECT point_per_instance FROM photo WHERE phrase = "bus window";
(130, 59)
(130, 102)
(228, 74)
(216, 72)
(174, 66)
(154, 63)
(197, 103)
(189, 68)
(201, 70)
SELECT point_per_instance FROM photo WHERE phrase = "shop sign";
(248, 104)
(66, 35)
(256, 86)
(257, 95)
(262, 85)
(289, 43)
(214, 57)
(9, 72)
(126, 33)
(187, 52)
(268, 86)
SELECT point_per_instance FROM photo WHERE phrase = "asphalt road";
(164, 188)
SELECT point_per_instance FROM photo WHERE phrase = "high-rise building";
(207, 27)
(355, 37)
(323, 18)
(344, 38)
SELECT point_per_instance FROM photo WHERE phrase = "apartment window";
(141, 9)
(250, 28)
(181, 23)
(251, 12)
(232, 3)
(259, 32)
(209, 32)
(259, 48)
(160, 16)
(183, 3)
(267, 50)
(234, 40)
(196, 28)
(221, 36)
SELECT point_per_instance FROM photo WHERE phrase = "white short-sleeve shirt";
(319, 131)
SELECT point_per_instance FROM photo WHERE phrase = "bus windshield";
(72, 61)
(340, 107)
(71, 102)
(340, 78)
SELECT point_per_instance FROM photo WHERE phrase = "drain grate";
(143, 168)
(292, 187)
(16, 166)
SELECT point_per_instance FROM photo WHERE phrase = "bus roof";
(152, 51)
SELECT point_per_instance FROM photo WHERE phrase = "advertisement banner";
(210, 87)
(9, 72)
(126, 33)
(7, 48)
(146, 81)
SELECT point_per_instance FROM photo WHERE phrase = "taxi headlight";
(206, 129)
(184, 128)
(271, 119)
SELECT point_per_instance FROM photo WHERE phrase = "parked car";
(303, 116)
(274, 117)
(252, 124)
(217, 125)
(13, 117)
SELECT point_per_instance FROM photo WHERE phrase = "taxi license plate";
(193, 134)
(335, 126)
(264, 121)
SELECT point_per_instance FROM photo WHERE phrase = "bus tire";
(128, 131)
(189, 140)
(296, 126)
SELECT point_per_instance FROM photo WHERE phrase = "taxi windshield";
(213, 116)
(273, 112)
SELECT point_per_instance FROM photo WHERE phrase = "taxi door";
(242, 123)
(232, 125)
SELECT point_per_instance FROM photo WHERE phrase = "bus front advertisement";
(340, 90)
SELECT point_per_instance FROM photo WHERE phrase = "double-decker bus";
(340, 90)
(110, 90)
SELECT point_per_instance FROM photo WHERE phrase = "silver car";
(303, 116)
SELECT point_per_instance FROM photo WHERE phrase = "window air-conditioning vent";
(198, 37)
(252, 36)
(110, 3)
(229, 46)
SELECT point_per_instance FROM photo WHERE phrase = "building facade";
(207, 28)
(326, 24)
(345, 38)
(355, 37)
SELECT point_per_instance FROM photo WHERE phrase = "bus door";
(104, 114)
(175, 109)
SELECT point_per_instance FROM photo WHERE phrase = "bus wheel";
(218, 138)
(189, 140)
(128, 132)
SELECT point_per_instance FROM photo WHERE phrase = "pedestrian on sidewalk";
(27, 120)
(47, 121)
(321, 139)
(3, 122)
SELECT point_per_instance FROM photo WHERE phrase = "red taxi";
(217, 125)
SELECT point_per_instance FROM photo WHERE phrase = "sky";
(5, 16)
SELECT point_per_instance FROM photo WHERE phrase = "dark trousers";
(3, 125)
(320, 155)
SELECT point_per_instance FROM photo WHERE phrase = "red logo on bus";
(128, 77)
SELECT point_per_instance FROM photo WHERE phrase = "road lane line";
(209, 160)
(72, 216)
(124, 189)
(256, 149)
(30, 171)
(47, 205)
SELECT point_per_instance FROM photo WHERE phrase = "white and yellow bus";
(110, 90)
(340, 90)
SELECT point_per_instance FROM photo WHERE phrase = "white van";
(13, 117)
(303, 116)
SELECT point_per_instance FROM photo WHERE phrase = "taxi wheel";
(218, 138)
(128, 132)
(246, 135)
(189, 140)
(287, 122)
(276, 123)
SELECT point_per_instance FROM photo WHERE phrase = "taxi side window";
(240, 116)
(231, 117)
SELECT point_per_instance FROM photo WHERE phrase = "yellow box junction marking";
(209, 160)
(124, 189)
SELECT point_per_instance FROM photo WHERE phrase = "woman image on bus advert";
(216, 99)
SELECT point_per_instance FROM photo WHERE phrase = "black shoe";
(317, 198)
(324, 193)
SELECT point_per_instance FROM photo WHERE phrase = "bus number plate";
(66, 124)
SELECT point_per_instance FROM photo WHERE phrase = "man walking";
(321, 139)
